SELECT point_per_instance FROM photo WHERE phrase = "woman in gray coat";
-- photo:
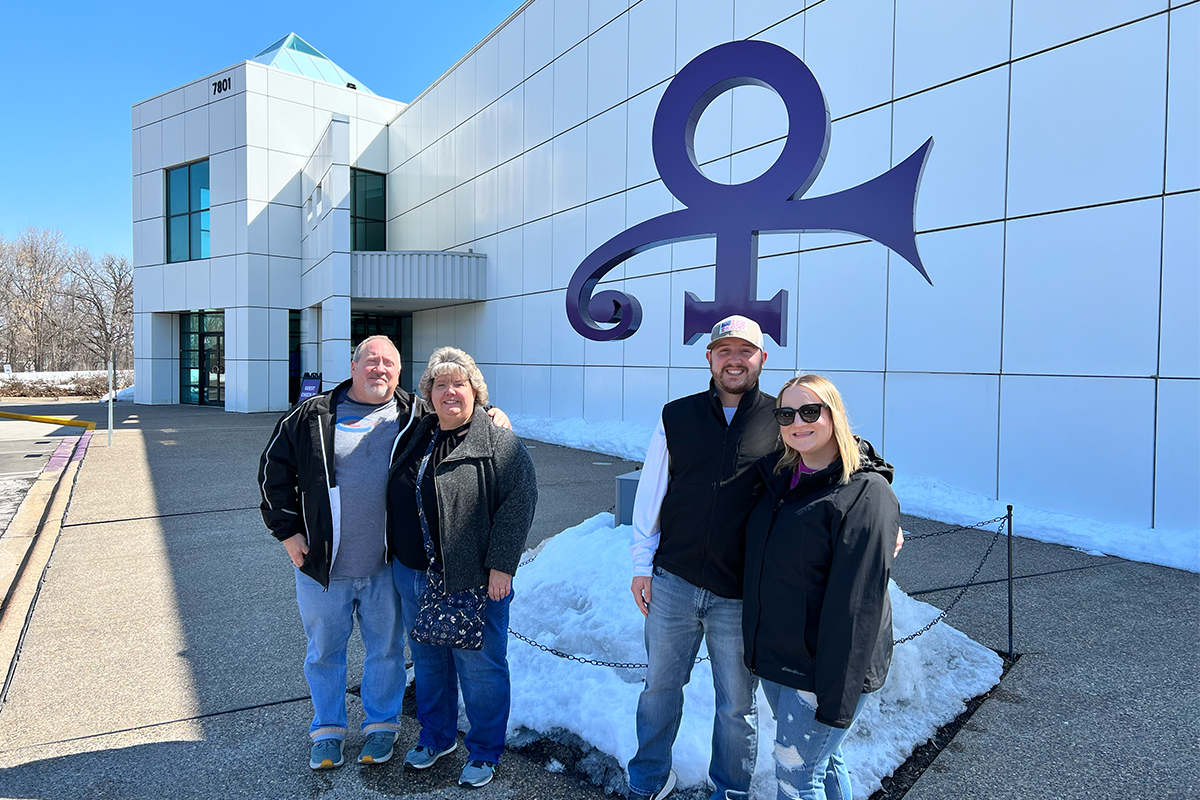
(460, 502)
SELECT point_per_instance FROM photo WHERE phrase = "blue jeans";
(328, 618)
(808, 753)
(680, 614)
(438, 671)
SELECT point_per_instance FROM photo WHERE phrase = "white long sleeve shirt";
(652, 488)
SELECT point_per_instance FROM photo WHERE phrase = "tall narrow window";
(187, 212)
(368, 210)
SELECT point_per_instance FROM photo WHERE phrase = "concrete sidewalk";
(163, 657)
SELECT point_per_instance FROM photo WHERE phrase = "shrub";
(93, 384)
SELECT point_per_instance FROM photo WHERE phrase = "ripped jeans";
(808, 753)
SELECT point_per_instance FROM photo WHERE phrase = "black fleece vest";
(713, 487)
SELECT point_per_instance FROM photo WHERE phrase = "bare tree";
(61, 309)
(102, 294)
(36, 267)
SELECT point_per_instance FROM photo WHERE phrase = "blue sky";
(77, 68)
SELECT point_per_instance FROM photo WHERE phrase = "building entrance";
(202, 358)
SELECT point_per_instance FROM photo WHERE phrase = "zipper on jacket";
(712, 507)
(412, 411)
(758, 618)
(304, 519)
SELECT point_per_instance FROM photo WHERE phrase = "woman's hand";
(500, 420)
(499, 584)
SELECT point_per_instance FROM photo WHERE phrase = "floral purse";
(452, 619)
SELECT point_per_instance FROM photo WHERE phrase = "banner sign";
(310, 386)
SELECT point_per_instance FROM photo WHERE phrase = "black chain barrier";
(1000, 523)
(956, 529)
(970, 581)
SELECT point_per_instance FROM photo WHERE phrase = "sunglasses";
(809, 412)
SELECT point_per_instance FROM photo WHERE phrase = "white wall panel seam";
(1092, 35)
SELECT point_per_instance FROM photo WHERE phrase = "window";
(368, 210)
(187, 212)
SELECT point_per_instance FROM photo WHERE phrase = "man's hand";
(499, 583)
(899, 542)
(500, 420)
(641, 593)
(296, 547)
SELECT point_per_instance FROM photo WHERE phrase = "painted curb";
(24, 536)
(91, 426)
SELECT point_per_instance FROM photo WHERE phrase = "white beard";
(377, 391)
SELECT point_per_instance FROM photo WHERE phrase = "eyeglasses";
(809, 412)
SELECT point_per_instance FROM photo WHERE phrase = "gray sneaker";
(422, 757)
(378, 747)
(477, 773)
(667, 788)
(326, 754)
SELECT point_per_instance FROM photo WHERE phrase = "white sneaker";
(667, 788)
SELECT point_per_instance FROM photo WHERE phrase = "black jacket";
(486, 495)
(296, 473)
(816, 614)
(713, 486)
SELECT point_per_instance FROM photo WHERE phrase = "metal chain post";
(963, 591)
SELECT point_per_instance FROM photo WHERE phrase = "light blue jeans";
(439, 671)
(808, 753)
(328, 618)
(680, 615)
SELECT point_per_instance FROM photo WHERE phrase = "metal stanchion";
(112, 384)
(1010, 586)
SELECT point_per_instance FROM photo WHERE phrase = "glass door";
(212, 372)
(202, 358)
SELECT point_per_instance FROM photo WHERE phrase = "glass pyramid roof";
(293, 54)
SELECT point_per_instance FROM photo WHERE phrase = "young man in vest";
(698, 486)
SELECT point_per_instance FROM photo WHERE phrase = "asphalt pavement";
(163, 656)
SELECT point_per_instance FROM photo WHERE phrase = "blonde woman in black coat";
(817, 620)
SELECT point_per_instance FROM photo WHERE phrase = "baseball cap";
(739, 327)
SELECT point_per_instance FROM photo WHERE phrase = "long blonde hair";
(847, 445)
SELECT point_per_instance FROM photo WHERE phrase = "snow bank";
(926, 497)
(626, 440)
(575, 597)
(53, 377)
(923, 497)
(122, 396)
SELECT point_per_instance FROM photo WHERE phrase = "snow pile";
(122, 396)
(626, 440)
(61, 377)
(575, 597)
(926, 497)
(923, 497)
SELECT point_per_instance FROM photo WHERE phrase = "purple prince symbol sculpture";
(881, 209)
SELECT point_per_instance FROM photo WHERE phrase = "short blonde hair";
(447, 360)
(847, 444)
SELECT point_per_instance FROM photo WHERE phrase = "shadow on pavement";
(167, 599)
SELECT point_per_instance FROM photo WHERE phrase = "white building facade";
(1055, 360)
